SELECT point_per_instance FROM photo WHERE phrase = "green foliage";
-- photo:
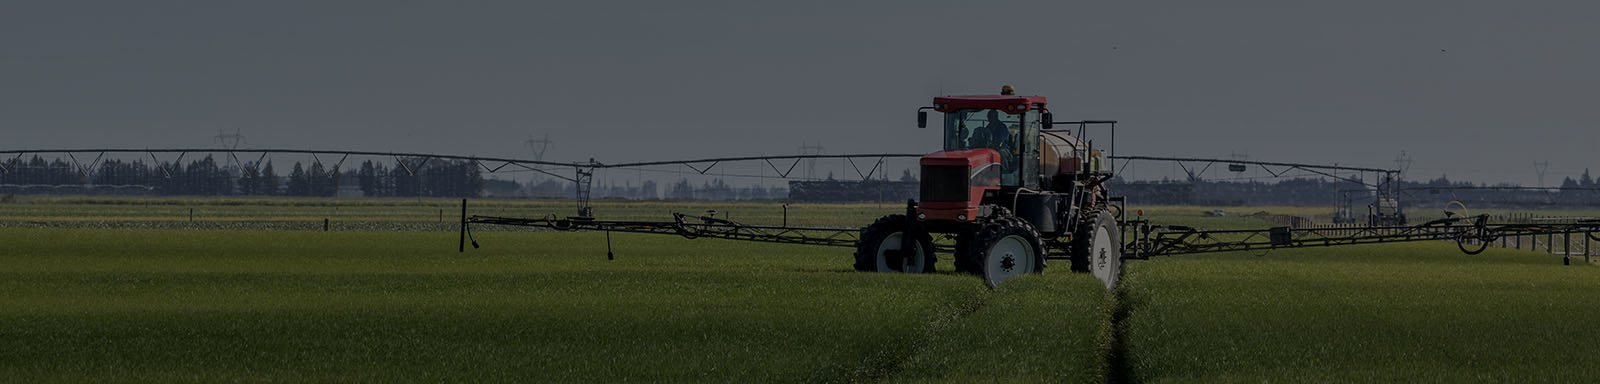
(1043, 328)
(119, 304)
(1420, 312)
(207, 306)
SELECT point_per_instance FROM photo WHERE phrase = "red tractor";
(1011, 192)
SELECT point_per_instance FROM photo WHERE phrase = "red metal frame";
(1009, 104)
(974, 160)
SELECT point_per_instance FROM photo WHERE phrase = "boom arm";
(1471, 234)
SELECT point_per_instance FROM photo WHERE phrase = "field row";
(300, 305)
(90, 300)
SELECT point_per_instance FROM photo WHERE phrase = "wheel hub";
(1105, 257)
(1008, 257)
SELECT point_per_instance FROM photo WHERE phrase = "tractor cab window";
(986, 128)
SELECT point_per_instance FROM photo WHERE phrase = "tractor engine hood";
(953, 183)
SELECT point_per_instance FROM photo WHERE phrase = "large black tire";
(1005, 247)
(884, 235)
(1097, 248)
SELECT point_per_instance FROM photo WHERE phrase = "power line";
(811, 164)
(1402, 164)
(539, 146)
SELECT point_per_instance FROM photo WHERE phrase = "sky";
(1476, 90)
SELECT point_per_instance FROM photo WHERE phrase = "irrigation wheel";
(1479, 233)
(1097, 248)
(879, 248)
(1008, 247)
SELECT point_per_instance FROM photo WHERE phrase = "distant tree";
(406, 184)
(367, 176)
(269, 180)
(171, 179)
(299, 182)
(681, 190)
(205, 178)
(907, 176)
(1585, 181)
(647, 191)
(321, 181)
(250, 179)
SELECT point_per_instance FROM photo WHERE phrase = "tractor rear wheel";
(1007, 247)
(1097, 248)
(878, 249)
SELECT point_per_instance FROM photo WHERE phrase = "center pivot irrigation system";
(1010, 190)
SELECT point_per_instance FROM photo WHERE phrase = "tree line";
(206, 177)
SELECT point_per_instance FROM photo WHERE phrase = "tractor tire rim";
(1009, 256)
(889, 263)
(1104, 260)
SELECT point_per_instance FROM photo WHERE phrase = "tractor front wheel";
(1007, 247)
(879, 248)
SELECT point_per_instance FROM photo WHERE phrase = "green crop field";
(116, 289)
(1403, 312)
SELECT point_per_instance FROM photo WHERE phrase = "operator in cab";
(999, 133)
(999, 138)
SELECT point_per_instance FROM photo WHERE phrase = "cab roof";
(1008, 103)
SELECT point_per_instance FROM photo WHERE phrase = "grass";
(1047, 328)
(113, 305)
(1404, 312)
(91, 297)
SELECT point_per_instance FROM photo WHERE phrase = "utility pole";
(1402, 163)
(1540, 167)
(539, 147)
(231, 141)
(811, 164)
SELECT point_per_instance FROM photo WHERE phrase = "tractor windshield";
(985, 128)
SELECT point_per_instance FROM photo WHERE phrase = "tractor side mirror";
(1049, 120)
(922, 119)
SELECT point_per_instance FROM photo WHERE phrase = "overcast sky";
(1478, 89)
